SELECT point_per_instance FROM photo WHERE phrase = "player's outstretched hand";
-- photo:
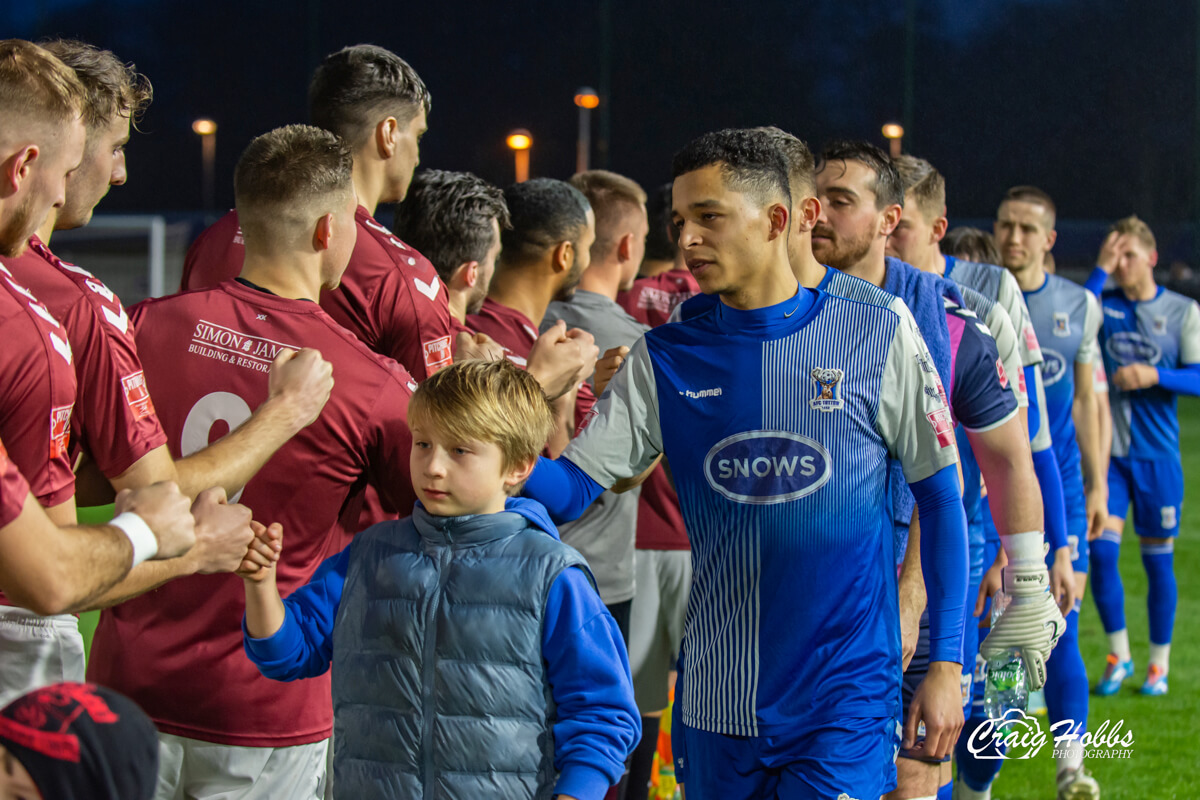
(222, 532)
(303, 380)
(261, 556)
(938, 703)
(557, 359)
(1110, 251)
(607, 366)
(166, 510)
(480, 347)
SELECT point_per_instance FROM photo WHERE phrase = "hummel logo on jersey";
(715, 392)
(118, 321)
(261, 317)
(828, 393)
(1114, 313)
(430, 289)
(100, 289)
(373, 224)
(1062, 323)
(1001, 374)
(62, 346)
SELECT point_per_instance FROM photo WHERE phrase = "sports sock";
(946, 791)
(642, 761)
(963, 791)
(977, 773)
(1107, 589)
(1066, 681)
(1070, 757)
(1163, 593)
(1118, 644)
(1161, 654)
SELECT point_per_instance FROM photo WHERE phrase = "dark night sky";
(1092, 99)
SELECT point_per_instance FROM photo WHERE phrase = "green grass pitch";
(1165, 751)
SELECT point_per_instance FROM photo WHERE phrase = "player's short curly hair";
(800, 162)
(35, 86)
(486, 401)
(448, 217)
(750, 162)
(544, 212)
(887, 187)
(356, 87)
(112, 87)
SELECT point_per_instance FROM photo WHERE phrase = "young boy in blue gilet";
(473, 657)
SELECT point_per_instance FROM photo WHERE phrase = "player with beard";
(455, 218)
(542, 257)
(45, 567)
(391, 296)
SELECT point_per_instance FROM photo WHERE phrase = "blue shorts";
(849, 758)
(1075, 499)
(1155, 489)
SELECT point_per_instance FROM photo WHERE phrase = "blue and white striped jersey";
(1066, 318)
(1165, 333)
(778, 424)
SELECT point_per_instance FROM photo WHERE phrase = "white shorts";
(37, 651)
(189, 769)
(664, 579)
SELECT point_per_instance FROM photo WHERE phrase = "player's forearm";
(562, 487)
(265, 613)
(1085, 411)
(1054, 515)
(234, 459)
(943, 561)
(50, 570)
(1007, 468)
(1095, 281)
(1184, 380)
(912, 577)
(145, 577)
(564, 424)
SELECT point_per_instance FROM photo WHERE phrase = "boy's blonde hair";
(1135, 227)
(488, 401)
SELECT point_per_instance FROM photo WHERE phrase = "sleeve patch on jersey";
(437, 354)
(60, 431)
(137, 395)
(1021, 387)
(587, 420)
(1002, 374)
(943, 426)
(1031, 340)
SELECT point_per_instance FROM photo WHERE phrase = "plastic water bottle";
(1005, 686)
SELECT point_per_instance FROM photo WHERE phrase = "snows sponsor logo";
(714, 392)
(137, 395)
(827, 391)
(1054, 367)
(1129, 347)
(230, 346)
(437, 354)
(1023, 737)
(430, 289)
(60, 431)
(766, 467)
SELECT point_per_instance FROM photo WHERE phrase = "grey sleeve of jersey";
(1089, 350)
(1041, 438)
(1005, 334)
(622, 437)
(1014, 303)
(913, 417)
(1189, 336)
(676, 313)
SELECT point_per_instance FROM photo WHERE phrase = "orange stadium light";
(204, 126)
(587, 98)
(520, 141)
(894, 133)
(207, 131)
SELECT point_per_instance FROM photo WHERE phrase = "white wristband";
(1024, 547)
(145, 543)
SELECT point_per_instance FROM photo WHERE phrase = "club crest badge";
(1062, 323)
(827, 390)
(1160, 326)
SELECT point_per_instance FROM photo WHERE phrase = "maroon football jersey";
(114, 419)
(39, 392)
(651, 300)
(177, 651)
(13, 489)
(390, 296)
(516, 333)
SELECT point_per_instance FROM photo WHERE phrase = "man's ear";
(807, 215)
(17, 168)
(777, 216)
(891, 218)
(386, 134)
(625, 247)
(563, 257)
(1153, 259)
(323, 233)
(465, 275)
(1051, 238)
(940, 226)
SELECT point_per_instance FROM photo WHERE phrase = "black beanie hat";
(79, 741)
